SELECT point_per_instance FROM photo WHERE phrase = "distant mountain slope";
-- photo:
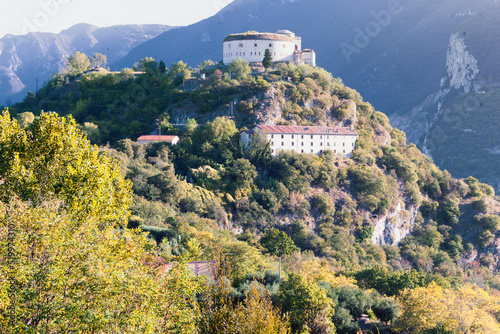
(411, 59)
(39, 55)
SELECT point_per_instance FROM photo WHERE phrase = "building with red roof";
(305, 139)
(157, 138)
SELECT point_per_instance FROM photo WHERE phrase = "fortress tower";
(251, 46)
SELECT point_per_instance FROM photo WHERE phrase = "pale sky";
(23, 16)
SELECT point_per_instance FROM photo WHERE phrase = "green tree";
(52, 159)
(77, 63)
(307, 305)
(221, 129)
(278, 243)
(148, 65)
(387, 309)
(191, 126)
(99, 60)
(241, 68)
(206, 63)
(490, 222)
(355, 300)
(180, 70)
(241, 175)
(162, 67)
(268, 59)
(127, 74)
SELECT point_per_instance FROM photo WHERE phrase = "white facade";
(309, 57)
(253, 50)
(251, 46)
(306, 139)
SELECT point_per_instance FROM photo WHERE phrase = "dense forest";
(301, 243)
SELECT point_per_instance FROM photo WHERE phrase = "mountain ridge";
(38, 55)
(396, 61)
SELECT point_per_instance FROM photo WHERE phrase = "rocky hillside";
(387, 205)
(23, 59)
(432, 67)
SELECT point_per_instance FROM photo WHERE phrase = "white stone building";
(305, 139)
(251, 46)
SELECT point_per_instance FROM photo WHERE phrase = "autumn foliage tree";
(50, 158)
(218, 312)
(307, 304)
(66, 264)
(468, 309)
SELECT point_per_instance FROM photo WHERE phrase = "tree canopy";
(50, 158)
(78, 63)
(241, 68)
(277, 243)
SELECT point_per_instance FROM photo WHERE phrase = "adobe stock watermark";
(48, 10)
(363, 37)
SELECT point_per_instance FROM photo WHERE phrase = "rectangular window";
(270, 45)
(344, 151)
(293, 144)
(320, 137)
(301, 151)
(312, 137)
(255, 44)
(302, 137)
(282, 136)
(292, 136)
(343, 144)
(272, 151)
(272, 143)
(312, 143)
(321, 144)
(327, 144)
(272, 136)
(302, 144)
(282, 144)
(240, 45)
(312, 151)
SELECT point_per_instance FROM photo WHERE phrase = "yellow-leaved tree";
(67, 264)
(62, 275)
(50, 158)
(468, 309)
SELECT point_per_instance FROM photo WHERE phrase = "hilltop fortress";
(251, 46)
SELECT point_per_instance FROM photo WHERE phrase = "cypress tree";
(268, 59)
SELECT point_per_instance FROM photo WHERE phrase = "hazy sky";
(22, 16)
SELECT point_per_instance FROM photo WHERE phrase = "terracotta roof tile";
(156, 138)
(307, 130)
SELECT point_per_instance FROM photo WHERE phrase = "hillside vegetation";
(361, 235)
